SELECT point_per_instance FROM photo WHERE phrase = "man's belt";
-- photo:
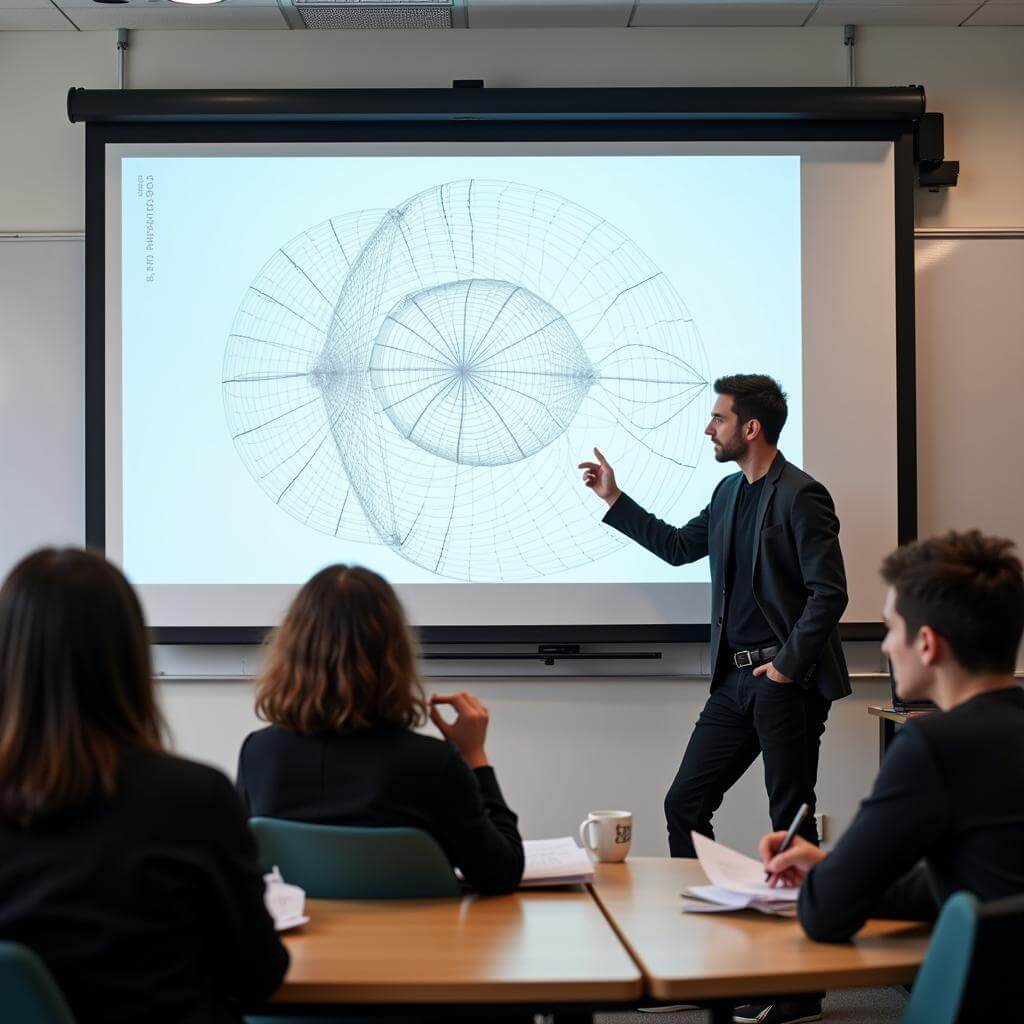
(751, 659)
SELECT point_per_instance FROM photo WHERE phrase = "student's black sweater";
(148, 906)
(951, 793)
(386, 776)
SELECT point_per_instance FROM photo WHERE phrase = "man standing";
(778, 589)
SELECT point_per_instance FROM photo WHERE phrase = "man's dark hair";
(969, 589)
(756, 397)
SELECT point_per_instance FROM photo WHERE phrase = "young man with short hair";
(950, 792)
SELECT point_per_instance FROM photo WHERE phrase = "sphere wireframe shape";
(479, 372)
(324, 416)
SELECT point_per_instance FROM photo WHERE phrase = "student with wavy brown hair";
(343, 697)
(131, 872)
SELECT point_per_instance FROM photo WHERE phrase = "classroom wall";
(562, 748)
(974, 75)
(567, 746)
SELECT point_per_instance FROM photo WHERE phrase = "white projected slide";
(386, 356)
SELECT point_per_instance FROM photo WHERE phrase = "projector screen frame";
(446, 122)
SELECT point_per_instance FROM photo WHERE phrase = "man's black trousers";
(744, 716)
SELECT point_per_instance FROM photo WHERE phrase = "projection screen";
(395, 352)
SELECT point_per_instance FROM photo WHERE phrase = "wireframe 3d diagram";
(427, 377)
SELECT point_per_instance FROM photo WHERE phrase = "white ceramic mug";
(607, 834)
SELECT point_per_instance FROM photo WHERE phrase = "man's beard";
(732, 451)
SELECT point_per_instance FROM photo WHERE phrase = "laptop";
(904, 706)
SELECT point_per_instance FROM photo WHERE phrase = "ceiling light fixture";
(196, 3)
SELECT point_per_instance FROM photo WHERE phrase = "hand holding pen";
(788, 857)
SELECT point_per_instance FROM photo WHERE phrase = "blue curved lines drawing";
(426, 377)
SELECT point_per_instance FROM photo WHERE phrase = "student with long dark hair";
(343, 696)
(131, 872)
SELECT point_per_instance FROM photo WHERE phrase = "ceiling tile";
(998, 12)
(847, 11)
(25, 5)
(548, 13)
(675, 13)
(33, 19)
(174, 16)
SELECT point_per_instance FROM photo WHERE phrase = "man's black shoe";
(783, 1011)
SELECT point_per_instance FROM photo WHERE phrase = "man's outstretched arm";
(674, 544)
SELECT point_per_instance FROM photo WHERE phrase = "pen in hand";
(798, 820)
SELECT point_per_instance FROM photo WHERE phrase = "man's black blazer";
(799, 580)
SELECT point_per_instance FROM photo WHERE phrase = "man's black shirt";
(745, 625)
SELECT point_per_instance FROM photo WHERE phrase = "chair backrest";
(343, 862)
(28, 993)
(940, 984)
(969, 974)
(994, 984)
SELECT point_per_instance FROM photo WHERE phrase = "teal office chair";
(940, 984)
(28, 993)
(971, 972)
(336, 862)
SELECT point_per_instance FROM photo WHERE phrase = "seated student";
(132, 873)
(342, 694)
(951, 788)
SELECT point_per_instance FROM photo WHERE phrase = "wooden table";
(726, 959)
(538, 949)
(888, 719)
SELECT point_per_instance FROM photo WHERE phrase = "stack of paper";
(555, 862)
(737, 883)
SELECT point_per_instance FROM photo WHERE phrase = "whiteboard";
(42, 393)
(970, 365)
(970, 368)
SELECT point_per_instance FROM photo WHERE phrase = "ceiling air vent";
(363, 14)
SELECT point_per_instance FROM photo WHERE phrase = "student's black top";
(147, 906)
(386, 776)
(950, 791)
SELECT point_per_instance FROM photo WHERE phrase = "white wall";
(974, 75)
(565, 747)
(561, 747)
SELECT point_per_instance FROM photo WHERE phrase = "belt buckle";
(738, 657)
